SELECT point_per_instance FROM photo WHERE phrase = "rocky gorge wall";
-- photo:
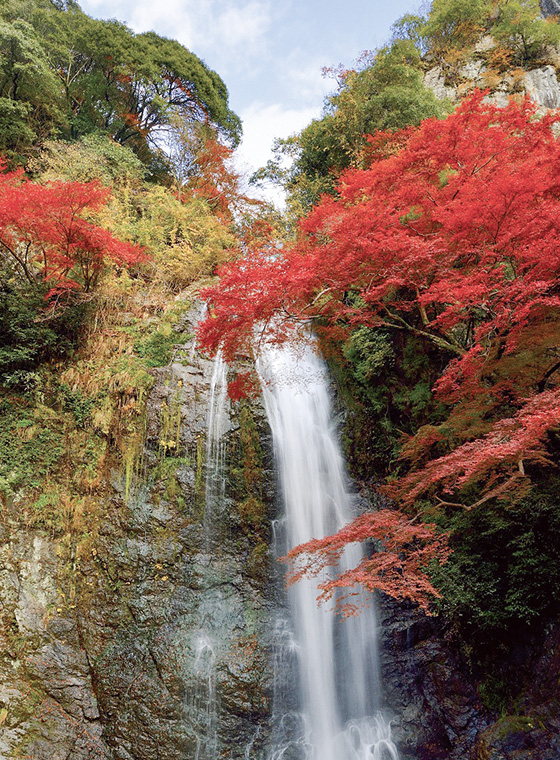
(436, 696)
(137, 643)
(142, 640)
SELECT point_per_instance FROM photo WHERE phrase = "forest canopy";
(66, 75)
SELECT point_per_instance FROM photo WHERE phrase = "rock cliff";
(139, 641)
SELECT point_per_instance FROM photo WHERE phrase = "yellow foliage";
(185, 240)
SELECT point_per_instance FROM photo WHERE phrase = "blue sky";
(269, 52)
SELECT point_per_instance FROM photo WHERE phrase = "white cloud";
(261, 125)
(178, 19)
(243, 26)
(306, 79)
(210, 25)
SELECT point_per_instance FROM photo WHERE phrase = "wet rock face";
(143, 644)
(48, 705)
(550, 7)
(438, 713)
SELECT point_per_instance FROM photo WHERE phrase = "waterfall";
(202, 709)
(327, 686)
(218, 425)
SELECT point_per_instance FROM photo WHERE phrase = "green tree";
(90, 76)
(29, 98)
(385, 92)
(520, 27)
(455, 23)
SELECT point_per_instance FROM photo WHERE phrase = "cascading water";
(327, 688)
(205, 668)
(202, 709)
(218, 425)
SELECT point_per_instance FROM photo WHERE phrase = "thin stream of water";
(203, 698)
(218, 425)
(327, 686)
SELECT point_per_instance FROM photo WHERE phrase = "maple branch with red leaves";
(450, 235)
(45, 232)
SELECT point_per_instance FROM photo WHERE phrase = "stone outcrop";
(543, 87)
(434, 695)
(541, 84)
(135, 641)
(550, 7)
(48, 705)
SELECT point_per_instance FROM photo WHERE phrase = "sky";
(270, 53)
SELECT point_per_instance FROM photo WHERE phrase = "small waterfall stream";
(327, 687)
(218, 425)
(208, 637)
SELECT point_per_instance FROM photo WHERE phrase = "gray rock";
(550, 7)
(543, 87)
(123, 670)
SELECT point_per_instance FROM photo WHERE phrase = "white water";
(218, 425)
(205, 668)
(202, 703)
(327, 688)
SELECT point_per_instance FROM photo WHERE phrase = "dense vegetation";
(424, 252)
(116, 195)
(427, 262)
(66, 75)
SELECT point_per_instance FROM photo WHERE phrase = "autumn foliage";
(399, 566)
(47, 239)
(450, 235)
(215, 181)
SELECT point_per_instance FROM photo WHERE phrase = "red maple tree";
(452, 235)
(47, 238)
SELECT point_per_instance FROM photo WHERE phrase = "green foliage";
(455, 23)
(64, 73)
(371, 353)
(385, 92)
(521, 28)
(30, 103)
(411, 27)
(502, 575)
(27, 340)
(77, 403)
(31, 446)
(157, 348)
(390, 377)
(500, 587)
(92, 157)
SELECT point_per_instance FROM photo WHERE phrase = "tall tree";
(104, 78)
(30, 104)
(451, 235)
